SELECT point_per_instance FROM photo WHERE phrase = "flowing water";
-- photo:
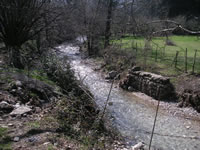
(130, 116)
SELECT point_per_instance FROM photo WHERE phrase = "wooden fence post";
(156, 58)
(176, 59)
(120, 44)
(164, 52)
(194, 62)
(136, 47)
(132, 44)
(186, 60)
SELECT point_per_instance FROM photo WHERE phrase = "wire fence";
(153, 55)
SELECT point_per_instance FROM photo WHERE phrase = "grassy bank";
(158, 55)
(68, 118)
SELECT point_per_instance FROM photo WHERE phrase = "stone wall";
(151, 84)
(190, 98)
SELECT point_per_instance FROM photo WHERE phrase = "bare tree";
(17, 20)
(108, 23)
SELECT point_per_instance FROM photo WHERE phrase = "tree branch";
(178, 26)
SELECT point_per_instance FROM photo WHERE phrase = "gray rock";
(38, 109)
(32, 139)
(113, 74)
(18, 83)
(16, 139)
(5, 107)
(21, 110)
(135, 68)
(17, 105)
(130, 88)
(138, 146)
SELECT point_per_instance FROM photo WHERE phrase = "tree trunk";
(108, 24)
(15, 57)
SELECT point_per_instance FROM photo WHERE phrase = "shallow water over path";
(134, 119)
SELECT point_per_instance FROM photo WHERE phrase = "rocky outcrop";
(154, 85)
(190, 98)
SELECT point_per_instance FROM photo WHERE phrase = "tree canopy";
(183, 7)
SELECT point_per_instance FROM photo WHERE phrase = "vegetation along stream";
(134, 119)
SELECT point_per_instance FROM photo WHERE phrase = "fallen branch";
(178, 26)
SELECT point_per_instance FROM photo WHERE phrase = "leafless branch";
(178, 26)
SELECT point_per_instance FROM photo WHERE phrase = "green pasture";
(159, 57)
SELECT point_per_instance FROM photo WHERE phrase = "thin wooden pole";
(154, 124)
(104, 110)
(132, 44)
(156, 58)
(186, 60)
(136, 47)
(176, 59)
(193, 66)
(164, 52)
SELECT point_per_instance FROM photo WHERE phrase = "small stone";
(38, 109)
(16, 139)
(130, 88)
(32, 139)
(10, 125)
(46, 143)
(110, 103)
(19, 88)
(112, 74)
(188, 127)
(18, 83)
(13, 90)
(55, 144)
(138, 146)
(135, 68)
(17, 105)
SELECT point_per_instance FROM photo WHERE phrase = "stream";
(132, 118)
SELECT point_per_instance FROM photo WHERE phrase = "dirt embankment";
(49, 111)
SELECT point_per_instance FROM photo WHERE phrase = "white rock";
(18, 83)
(188, 127)
(21, 110)
(46, 143)
(17, 105)
(10, 125)
(138, 146)
(16, 139)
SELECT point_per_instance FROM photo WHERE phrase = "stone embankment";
(154, 85)
(190, 98)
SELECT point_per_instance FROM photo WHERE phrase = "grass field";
(159, 57)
